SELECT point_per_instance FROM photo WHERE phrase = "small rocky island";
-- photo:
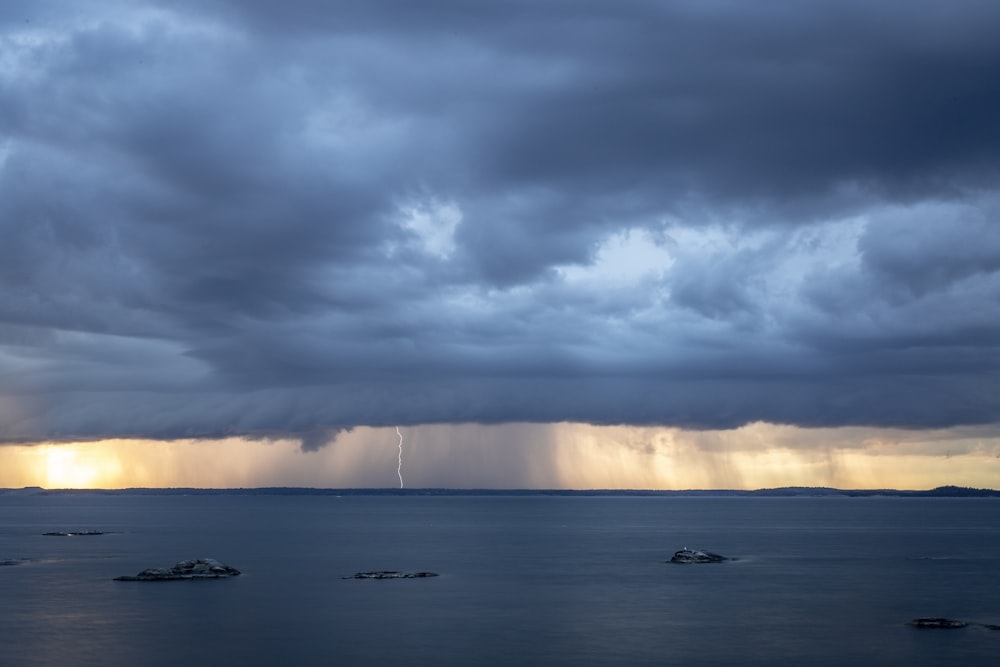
(81, 532)
(938, 623)
(390, 574)
(686, 555)
(11, 561)
(199, 568)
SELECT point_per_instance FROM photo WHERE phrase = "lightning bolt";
(399, 468)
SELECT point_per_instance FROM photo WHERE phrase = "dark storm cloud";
(261, 218)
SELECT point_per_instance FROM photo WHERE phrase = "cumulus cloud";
(234, 218)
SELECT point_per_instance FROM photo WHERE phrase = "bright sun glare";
(63, 470)
(70, 467)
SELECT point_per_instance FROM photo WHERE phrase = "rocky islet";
(687, 556)
(390, 574)
(199, 568)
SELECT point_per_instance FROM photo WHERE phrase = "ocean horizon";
(523, 579)
(946, 491)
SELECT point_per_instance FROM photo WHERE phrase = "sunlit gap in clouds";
(565, 455)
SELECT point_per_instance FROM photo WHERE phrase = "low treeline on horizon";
(787, 492)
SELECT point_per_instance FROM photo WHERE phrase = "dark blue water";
(524, 581)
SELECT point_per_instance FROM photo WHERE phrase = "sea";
(523, 580)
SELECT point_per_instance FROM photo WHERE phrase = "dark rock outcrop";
(697, 556)
(11, 561)
(937, 623)
(948, 623)
(389, 574)
(82, 532)
(200, 568)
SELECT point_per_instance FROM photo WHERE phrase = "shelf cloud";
(293, 219)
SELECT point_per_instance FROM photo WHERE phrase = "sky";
(558, 243)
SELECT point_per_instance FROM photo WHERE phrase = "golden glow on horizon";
(65, 467)
(577, 456)
(58, 466)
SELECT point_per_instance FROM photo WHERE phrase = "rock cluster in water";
(696, 556)
(389, 574)
(199, 568)
(11, 561)
(947, 623)
(82, 532)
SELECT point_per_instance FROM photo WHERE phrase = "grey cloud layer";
(263, 219)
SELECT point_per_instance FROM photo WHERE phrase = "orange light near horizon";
(565, 455)
(77, 466)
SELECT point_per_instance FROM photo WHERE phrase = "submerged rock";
(389, 574)
(697, 556)
(942, 623)
(82, 532)
(199, 568)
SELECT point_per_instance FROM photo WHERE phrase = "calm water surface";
(524, 581)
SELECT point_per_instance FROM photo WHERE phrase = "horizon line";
(945, 490)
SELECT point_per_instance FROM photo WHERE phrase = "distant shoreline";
(781, 492)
